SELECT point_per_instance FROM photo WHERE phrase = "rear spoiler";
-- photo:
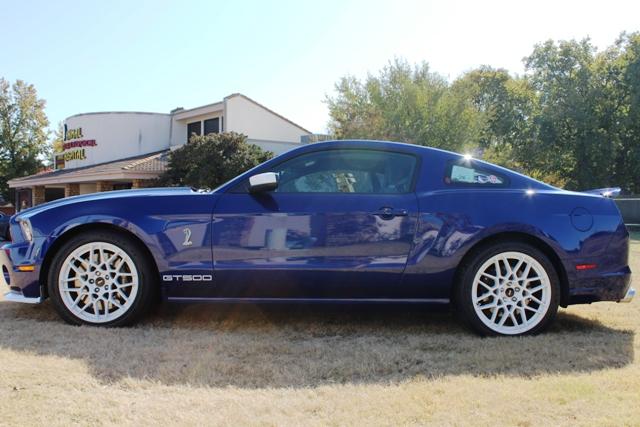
(605, 192)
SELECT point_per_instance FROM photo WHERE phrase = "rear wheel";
(508, 289)
(100, 278)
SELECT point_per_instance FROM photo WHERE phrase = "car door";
(339, 225)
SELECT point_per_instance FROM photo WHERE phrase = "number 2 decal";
(187, 237)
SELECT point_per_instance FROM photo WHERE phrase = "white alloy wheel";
(98, 282)
(511, 293)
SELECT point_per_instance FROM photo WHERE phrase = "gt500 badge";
(187, 277)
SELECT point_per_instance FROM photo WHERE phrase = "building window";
(212, 126)
(195, 127)
(122, 186)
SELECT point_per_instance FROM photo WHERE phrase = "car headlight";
(25, 226)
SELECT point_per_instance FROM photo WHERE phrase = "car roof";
(374, 144)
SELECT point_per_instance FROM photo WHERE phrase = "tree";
(618, 70)
(57, 141)
(508, 107)
(589, 111)
(211, 160)
(572, 120)
(404, 103)
(23, 132)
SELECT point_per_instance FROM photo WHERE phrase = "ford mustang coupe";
(354, 221)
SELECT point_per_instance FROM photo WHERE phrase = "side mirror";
(266, 181)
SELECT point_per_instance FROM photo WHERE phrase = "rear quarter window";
(467, 174)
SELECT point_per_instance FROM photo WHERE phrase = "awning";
(146, 166)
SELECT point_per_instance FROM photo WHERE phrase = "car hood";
(107, 195)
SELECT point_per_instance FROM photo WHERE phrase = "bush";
(211, 160)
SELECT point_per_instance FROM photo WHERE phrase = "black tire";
(146, 287)
(464, 288)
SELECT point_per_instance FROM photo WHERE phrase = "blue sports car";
(354, 221)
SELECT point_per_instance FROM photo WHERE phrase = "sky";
(86, 56)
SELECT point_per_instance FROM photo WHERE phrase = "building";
(120, 150)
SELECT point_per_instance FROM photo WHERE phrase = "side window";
(192, 128)
(470, 174)
(347, 171)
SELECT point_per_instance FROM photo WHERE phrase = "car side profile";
(355, 221)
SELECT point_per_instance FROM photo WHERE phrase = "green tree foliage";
(211, 160)
(573, 118)
(23, 132)
(403, 103)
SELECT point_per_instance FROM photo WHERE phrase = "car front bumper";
(16, 284)
(17, 296)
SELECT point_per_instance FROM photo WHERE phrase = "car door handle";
(388, 212)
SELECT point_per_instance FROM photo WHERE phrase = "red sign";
(81, 143)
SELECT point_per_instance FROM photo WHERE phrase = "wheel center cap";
(100, 281)
(509, 292)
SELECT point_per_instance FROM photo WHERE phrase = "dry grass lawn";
(279, 365)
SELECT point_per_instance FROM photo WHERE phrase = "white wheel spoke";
(115, 302)
(123, 285)
(513, 317)
(488, 305)
(78, 272)
(516, 268)
(490, 276)
(503, 317)
(523, 314)
(507, 266)
(526, 272)
(484, 285)
(534, 299)
(536, 289)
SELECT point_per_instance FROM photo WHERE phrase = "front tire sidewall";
(144, 294)
(464, 297)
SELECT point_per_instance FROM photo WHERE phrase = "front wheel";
(508, 289)
(100, 278)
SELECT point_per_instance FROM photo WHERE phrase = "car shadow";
(272, 346)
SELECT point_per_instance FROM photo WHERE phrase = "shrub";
(211, 160)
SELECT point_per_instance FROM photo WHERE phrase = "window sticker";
(494, 179)
(462, 174)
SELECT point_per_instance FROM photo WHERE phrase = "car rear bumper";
(609, 286)
(631, 292)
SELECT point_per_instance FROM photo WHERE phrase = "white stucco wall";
(274, 146)
(244, 116)
(119, 135)
(178, 133)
